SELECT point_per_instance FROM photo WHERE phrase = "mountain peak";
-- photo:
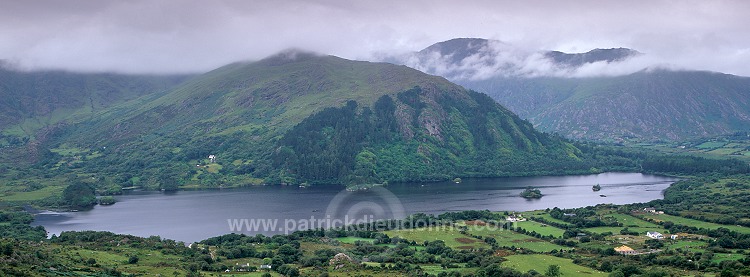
(290, 55)
(456, 45)
(595, 55)
(459, 48)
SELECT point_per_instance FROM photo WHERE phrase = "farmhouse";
(654, 235)
(652, 210)
(515, 218)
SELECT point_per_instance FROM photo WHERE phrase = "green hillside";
(648, 105)
(31, 102)
(299, 117)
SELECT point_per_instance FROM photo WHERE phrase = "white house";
(515, 218)
(654, 235)
(652, 210)
(212, 158)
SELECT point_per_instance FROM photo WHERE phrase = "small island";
(596, 187)
(107, 200)
(531, 193)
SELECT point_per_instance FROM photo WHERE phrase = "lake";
(195, 215)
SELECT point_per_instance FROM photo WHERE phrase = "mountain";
(643, 106)
(458, 49)
(33, 101)
(299, 117)
(596, 55)
(476, 58)
(647, 105)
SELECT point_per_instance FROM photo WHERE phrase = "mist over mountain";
(604, 94)
(593, 56)
(481, 59)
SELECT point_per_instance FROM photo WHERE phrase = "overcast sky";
(195, 36)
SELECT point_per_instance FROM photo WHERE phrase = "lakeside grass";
(32, 195)
(540, 263)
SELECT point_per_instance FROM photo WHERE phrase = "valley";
(107, 174)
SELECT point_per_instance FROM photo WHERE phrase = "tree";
(531, 193)
(79, 195)
(364, 168)
(133, 260)
(553, 270)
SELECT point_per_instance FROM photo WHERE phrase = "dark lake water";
(195, 215)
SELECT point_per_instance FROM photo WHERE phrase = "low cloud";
(499, 59)
(142, 36)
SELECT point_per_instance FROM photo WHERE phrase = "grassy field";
(509, 238)
(540, 263)
(451, 236)
(616, 230)
(695, 246)
(696, 223)
(540, 228)
(352, 240)
(150, 262)
(435, 269)
(710, 145)
(631, 221)
(719, 257)
(348, 273)
(545, 216)
(32, 195)
(722, 147)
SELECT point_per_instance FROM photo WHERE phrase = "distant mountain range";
(542, 86)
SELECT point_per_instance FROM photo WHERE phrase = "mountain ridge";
(317, 119)
(647, 105)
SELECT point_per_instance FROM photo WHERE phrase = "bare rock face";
(340, 260)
